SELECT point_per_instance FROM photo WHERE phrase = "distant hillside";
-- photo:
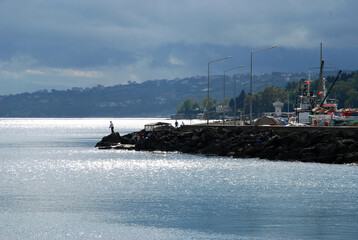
(147, 99)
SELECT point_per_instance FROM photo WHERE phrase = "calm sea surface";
(55, 185)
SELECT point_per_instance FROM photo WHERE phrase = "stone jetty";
(334, 145)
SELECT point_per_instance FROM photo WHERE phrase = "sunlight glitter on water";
(53, 182)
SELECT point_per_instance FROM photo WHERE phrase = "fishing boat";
(345, 117)
(314, 107)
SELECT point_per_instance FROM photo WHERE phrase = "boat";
(314, 107)
(345, 117)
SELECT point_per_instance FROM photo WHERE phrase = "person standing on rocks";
(111, 126)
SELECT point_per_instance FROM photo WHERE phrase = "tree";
(188, 106)
(353, 97)
(291, 86)
(240, 101)
(210, 106)
(264, 99)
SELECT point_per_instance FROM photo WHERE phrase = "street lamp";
(207, 102)
(234, 94)
(252, 52)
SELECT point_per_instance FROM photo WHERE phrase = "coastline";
(330, 145)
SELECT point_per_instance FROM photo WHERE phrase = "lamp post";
(234, 93)
(207, 102)
(252, 52)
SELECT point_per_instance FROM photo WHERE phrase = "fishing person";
(111, 126)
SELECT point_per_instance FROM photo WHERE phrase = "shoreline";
(330, 145)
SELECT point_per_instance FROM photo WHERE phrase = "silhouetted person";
(111, 126)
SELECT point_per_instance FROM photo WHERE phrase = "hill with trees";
(162, 98)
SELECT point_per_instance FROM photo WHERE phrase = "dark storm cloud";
(60, 35)
(140, 39)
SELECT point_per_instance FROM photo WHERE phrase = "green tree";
(345, 91)
(240, 101)
(291, 86)
(263, 100)
(208, 105)
(188, 106)
(353, 97)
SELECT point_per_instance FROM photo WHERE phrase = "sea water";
(55, 185)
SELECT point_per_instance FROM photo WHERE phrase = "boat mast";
(320, 88)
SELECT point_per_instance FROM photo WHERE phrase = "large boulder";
(212, 149)
(351, 158)
(112, 139)
(126, 139)
(309, 154)
(268, 152)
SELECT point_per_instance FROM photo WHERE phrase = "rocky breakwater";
(306, 144)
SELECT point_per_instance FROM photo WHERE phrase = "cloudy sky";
(66, 43)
